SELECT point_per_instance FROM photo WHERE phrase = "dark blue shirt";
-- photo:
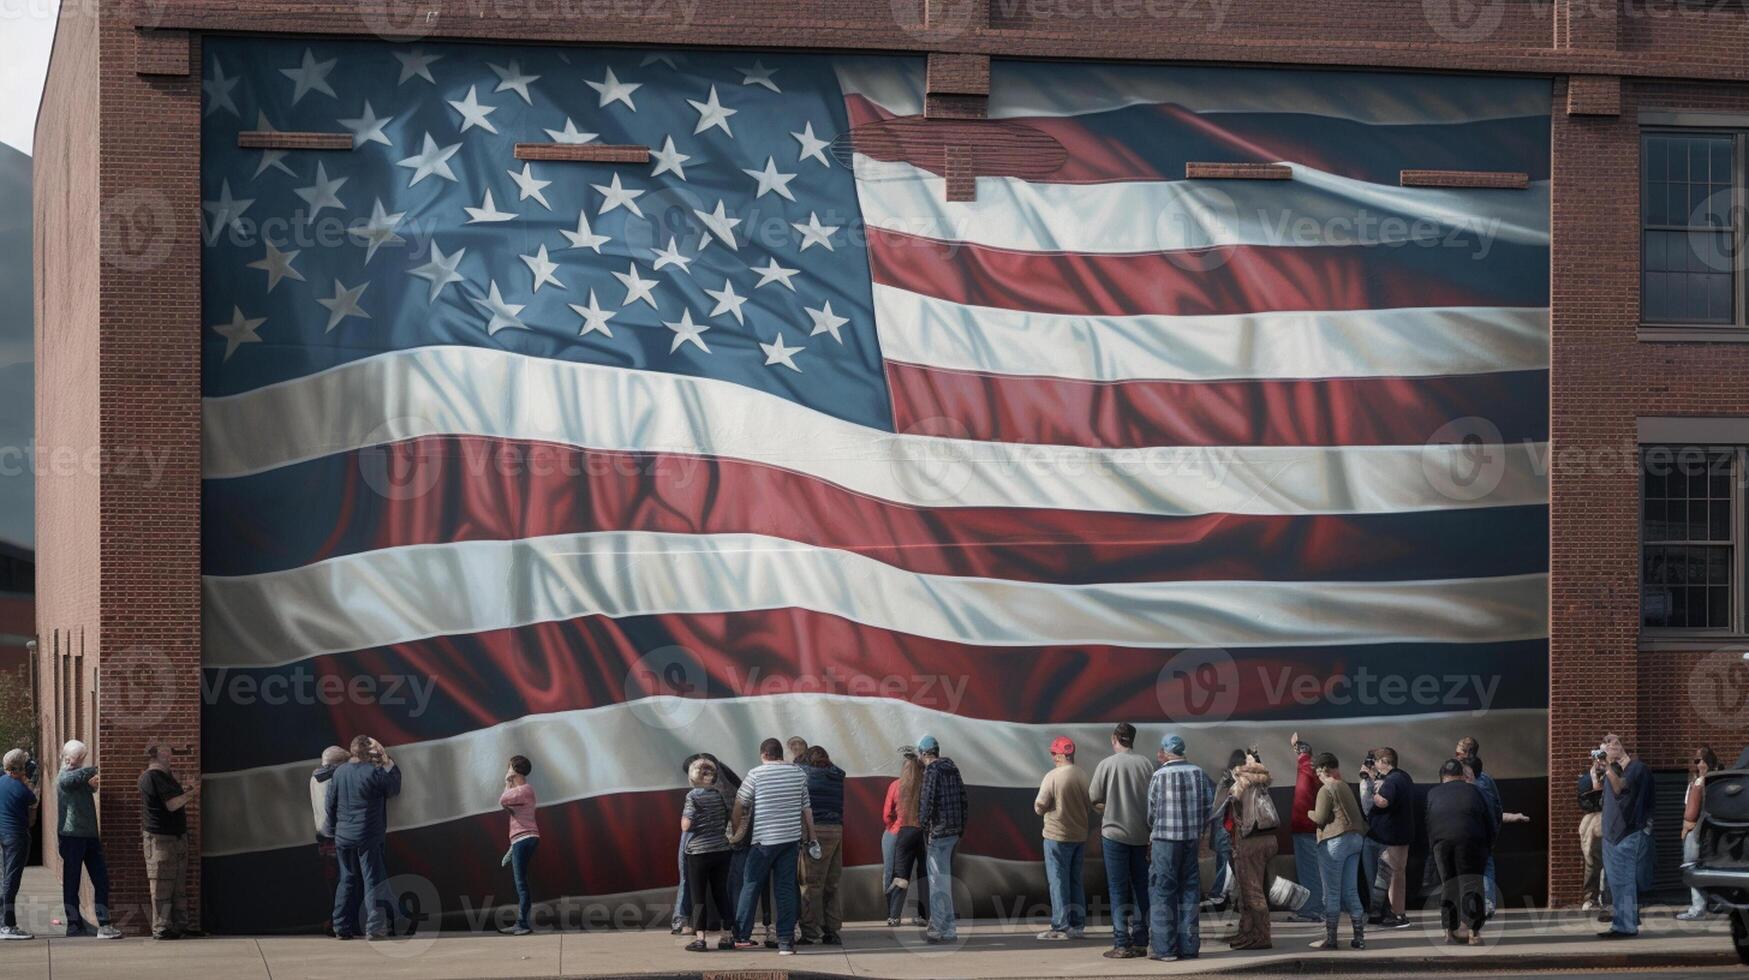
(358, 802)
(826, 793)
(16, 799)
(1394, 824)
(1627, 811)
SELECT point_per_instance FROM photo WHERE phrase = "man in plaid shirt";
(1180, 803)
(941, 810)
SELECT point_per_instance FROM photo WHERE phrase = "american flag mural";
(605, 464)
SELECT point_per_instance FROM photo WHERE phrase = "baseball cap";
(1173, 743)
(1063, 745)
(928, 744)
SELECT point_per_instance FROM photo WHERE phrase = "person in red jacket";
(1305, 833)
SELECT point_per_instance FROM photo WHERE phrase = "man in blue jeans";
(1063, 802)
(1627, 818)
(357, 807)
(941, 811)
(1119, 793)
(17, 808)
(1180, 802)
(782, 819)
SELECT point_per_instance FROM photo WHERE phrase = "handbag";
(1262, 810)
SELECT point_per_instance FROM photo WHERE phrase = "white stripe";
(638, 746)
(1434, 341)
(478, 391)
(1018, 90)
(1313, 209)
(396, 595)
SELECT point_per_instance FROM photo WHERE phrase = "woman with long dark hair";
(1700, 762)
(909, 843)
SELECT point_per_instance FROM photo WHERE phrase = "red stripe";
(1295, 412)
(1219, 280)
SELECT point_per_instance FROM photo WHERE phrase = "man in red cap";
(1064, 802)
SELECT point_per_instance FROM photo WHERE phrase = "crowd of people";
(768, 847)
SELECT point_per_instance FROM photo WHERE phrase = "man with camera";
(17, 811)
(357, 806)
(164, 841)
(1626, 786)
(1387, 794)
(1591, 833)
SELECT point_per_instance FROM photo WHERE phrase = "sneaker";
(786, 951)
(920, 922)
(831, 939)
(1590, 906)
(933, 939)
(1164, 959)
(1610, 934)
(697, 946)
(1691, 915)
(746, 944)
(1117, 953)
(805, 941)
(725, 944)
(80, 933)
(1052, 936)
(13, 932)
(771, 944)
(892, 923)
(1077, 933)
(1323, 942)
(521, 931)
(1399, 922)
(108, 932)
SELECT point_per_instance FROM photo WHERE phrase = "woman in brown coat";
(1249, 815)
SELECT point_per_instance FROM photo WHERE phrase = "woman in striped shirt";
(705, 816)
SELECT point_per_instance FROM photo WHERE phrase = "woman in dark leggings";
(909, 845)
(705, 816)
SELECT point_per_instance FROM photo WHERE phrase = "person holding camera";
(1591, 836)
(1387, 794)
(164, 841)
(358, 813)
(1627, 790)
(519, 802)
(17, 811)
(81, 848)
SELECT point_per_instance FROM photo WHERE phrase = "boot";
(1359, 940)
(1329, 940)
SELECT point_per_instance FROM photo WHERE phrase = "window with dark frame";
(1688, 538)
(1691, 183)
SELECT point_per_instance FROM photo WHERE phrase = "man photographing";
(1627, 830)
(358, 814)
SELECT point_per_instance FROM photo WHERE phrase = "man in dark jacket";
(1387, 795)
(822, 906)
(333, 757)
(358, 816)
(941, 811)
(1460, 832)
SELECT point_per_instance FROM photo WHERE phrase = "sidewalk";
(1518, 940)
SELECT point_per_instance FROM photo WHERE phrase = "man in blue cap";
(941, 810)
(1180, 803)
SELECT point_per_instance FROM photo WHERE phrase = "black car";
(1721, 869)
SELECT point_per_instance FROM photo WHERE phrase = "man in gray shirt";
(1119, 792)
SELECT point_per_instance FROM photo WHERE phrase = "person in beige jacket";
(1340, 830)
(1066, 804)
(1252, 825)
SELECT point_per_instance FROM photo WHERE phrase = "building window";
(1690, 186)
(1689, 561)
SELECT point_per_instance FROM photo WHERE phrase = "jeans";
(778, 862)
(941, 915)
(14, 851)
(1339, 860)
(1221, 843)
(888, 839)
(1175, 887)
(1063, 872)
(364, 877)
(1621, 862)
(1306, 870)
(1126, 875)
(521, 853)
(1691, 854)
(77, 854)
(682, 900)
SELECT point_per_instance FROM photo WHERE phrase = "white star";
(324, 193)
(811, 146)
(431, 160)
(504, 314)
(670, 256)
(344, 303)
(759, 75)
(218, 90)
(668, 159)
(227, 209)
(659, 59)
(779, 354)
(487, 211)
(528, 186)
(636, 288)
(416, 62)
(569, 134)
(720, 226)
(614, 90)
(310, 76)
(594, 317)
(770, 180)
(543, 269)
(240, 331)
(615, 196)
(825, 321)
(277, 265)
(474, 112)
(687, 332)
(583, 237)
(440, 270)
(512, 79)
(367, 128)
(711, 113)
(379, 230)
(772, 272)
(727, 302)
(814, 233)
(270, 158)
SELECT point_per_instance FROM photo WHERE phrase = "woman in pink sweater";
(518, 801)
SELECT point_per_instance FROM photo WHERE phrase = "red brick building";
(1635, 360)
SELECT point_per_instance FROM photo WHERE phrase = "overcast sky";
(27, 29)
